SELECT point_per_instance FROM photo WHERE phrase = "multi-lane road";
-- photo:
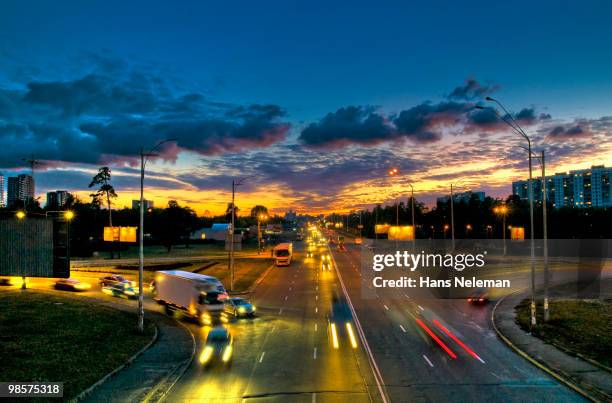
(316, 338)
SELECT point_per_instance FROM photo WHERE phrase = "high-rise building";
(57, 199)
(463, 197)
(148, 204)
(20, 190)
(2, 204)
(581, 188)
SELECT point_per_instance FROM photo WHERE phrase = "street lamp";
(20, 215)
(260, 218)
(68, 216)
(393, 172)
(510, 121)
(502, 211)
(144, 158)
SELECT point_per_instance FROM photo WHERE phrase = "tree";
(105, 190)
(177, 224)
(228, 213)
(259, 210)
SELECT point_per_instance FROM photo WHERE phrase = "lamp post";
(260, 218)
(235, 184)
(393, 172)
(502, 211)
(144, 158)
(510, 121)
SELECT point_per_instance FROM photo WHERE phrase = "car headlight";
(227, 353)
(241, 309)
(254, 308)
(206, 355)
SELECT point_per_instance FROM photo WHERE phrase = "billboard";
(120, 234)
(401, 233)
(517, 233)
(34, 247)
(382, 228)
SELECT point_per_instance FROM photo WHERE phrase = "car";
(71, 284)
(219, 345)
(309, 254)
(239, 307)
(112, 280)
(326, 262)
(121, 290)
(480, 296)
(5, 281)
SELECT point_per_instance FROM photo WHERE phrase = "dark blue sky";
(318, 56)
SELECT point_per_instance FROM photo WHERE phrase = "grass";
(579, 326)
(246, 272)
(153, 251)
(53, 338)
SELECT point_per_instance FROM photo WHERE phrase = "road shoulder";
(150, 375)
(589, 380)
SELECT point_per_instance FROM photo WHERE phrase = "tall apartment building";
(20, 189)
(2, 203)
(581, 188)
(57, 199)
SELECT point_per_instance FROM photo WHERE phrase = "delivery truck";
(196, 295)
(283, 253)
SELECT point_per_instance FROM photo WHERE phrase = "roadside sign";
(34, 247)
(120, 234)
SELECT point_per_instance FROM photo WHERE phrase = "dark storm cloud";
(580, 129)
(108, 113)
(350, 125)
(471, 90)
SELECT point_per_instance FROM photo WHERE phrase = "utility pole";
(144, 156)
(545, 233)
(452, 209)
(231, 235)
(510, 121)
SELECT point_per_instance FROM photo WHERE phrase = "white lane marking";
(386, 307)
(280, 311)
(495, 375)
(316, 327)
(262, 356)
(314, 398)
(373, 365)
(286, 296)
(402, 327)
(316, 297)
(317, 309)
(273, 329)
(427, 359)
(317, 288)
(480, 359)
(314, 354)
(407, 296)
(420, 307)
(290, 288)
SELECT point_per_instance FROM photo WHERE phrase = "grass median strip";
(580, 326)
(47, 337)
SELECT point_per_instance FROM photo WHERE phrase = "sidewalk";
(154, 371)
(587, 379)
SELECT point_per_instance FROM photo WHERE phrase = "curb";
(182, 368)
(90, 389)
(561, 378)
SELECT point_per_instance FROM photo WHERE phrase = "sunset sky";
(311, 103)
